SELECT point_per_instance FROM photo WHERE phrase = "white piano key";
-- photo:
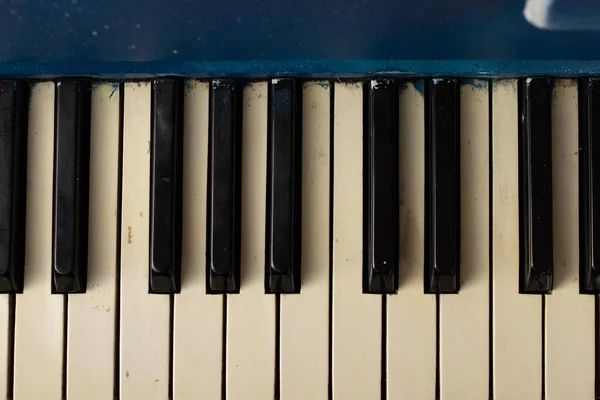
(5, 343)
(356, 347)
(250, 346)
(198, 317)
(39, 315)
(464, 317)
(517, 318)
(411, 314)
(570, 317)
(144, 341)
(304, 326)
(91, 316)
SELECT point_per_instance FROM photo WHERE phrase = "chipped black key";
(535, 185)
(13, 167)
(589, 185)
(442, 187)
(224, 183)
(71, 175)
(165, 209)
(381, 188)
(284, 185)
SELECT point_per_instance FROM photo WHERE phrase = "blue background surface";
(255, 38)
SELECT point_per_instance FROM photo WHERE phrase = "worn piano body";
(333, 38)
(325, 199)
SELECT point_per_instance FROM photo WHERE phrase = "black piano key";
(13, 156)
(589, 185)
(535, 186)
(224, 183)
(381, 188)
(71, 174)
(165, 210)
(442, 187)
(284, 184)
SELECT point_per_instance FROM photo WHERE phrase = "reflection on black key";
(283, 232)
(223, 249)
(13, 166)
(589, 185)
(381, 188)
(71, 174)
(535, 186)
(442, 187)
(165, 216)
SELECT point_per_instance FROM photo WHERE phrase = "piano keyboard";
(282, 239)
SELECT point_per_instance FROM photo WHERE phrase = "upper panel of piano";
(254, 38)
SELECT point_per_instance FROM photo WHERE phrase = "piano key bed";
(299, 239)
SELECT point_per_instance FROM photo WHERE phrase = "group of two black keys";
(283, 225)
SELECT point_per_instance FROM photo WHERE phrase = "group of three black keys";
(283, 225)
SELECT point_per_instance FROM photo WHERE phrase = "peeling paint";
(115, 87)
(477, 84)
(420, 86)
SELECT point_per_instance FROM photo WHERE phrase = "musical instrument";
(314, 200)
